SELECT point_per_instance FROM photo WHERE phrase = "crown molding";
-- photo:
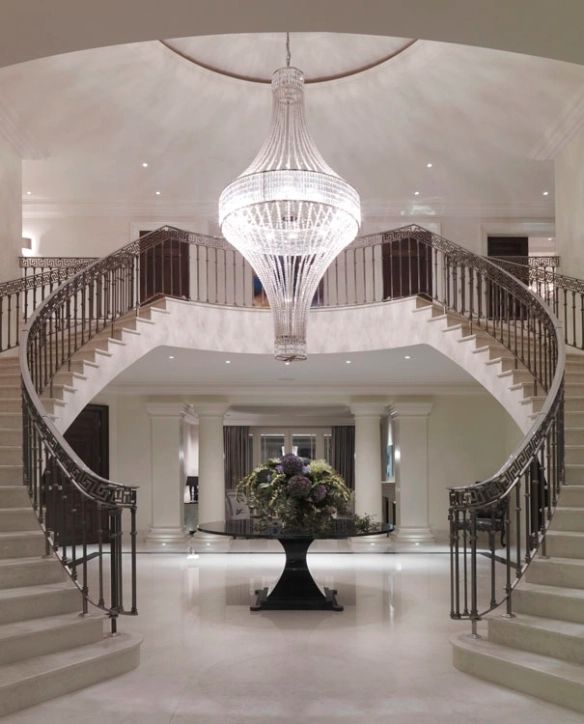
(561, 132)
(375, 211)
(314, 394)
(12, 129)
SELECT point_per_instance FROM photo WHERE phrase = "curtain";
(343, 452)
(237, 446)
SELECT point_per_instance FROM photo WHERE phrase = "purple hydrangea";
(279, 469)
(299, 486)
(319, 493)
(292, 464)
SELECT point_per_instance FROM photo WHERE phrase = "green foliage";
(307, 499)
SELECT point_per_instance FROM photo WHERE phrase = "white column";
(10, 210)
(569, 211)
(368, 457)
(411, 458)
(168, 478)
(211, 470)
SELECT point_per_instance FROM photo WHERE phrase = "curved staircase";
(47, 647)
(101, 320)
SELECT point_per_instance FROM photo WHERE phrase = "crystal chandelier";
(289, 214)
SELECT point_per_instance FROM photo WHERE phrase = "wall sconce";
(26, 246)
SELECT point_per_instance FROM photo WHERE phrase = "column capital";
(411, 408)
(166, 409)
(368, 407)
(210, 406)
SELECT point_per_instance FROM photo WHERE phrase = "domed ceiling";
(485, 120)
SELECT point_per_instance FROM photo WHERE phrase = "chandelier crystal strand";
(289, 214)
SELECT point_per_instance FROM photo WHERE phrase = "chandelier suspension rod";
(288, 54)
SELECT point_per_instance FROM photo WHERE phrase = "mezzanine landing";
(206, 659)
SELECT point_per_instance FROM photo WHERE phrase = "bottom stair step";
(545, 677)
(39, 679)
(40, 636)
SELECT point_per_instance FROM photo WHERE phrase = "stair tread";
(553, 625)
(565, 533)
(27, 561)
(37, 625)
(555, 560)
(17, 673)
(559, 591)
(526, 659)
(21, 533)
(41, 590)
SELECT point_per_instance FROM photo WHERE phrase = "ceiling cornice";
(191, 209)
(14, 131)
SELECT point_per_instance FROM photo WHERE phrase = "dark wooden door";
(89, 438)
(164, 270)
(516, 250)
(407, 268)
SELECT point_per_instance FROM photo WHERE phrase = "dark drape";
(343, 452)
(237, 446)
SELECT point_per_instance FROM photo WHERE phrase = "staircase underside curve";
(177, 323)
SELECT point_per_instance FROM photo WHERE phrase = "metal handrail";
(485, 298)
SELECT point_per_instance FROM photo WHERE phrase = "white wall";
(10, 211)
(569, 191)
(469, 438)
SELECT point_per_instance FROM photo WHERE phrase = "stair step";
(545, 677)
(12, 519)
(569, 519)
(574, 419)
(34, 571)
(574, 404)
(574, 435)
(14, 544)
(565, 544)
(32, 681)
(39, 601)
(546, 636)
(572, 494)
(13, 496)
(562, 572)
(10, 474)
(11, 455)
(10, 420)
(11, 404)
(558, 602)
(41, 636)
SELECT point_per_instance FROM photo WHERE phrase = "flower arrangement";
(296, 491)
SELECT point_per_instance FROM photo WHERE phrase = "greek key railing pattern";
(484, 297)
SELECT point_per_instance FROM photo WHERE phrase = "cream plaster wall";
(569, 191)
(463, 446)
(10, 210)
(469, 438)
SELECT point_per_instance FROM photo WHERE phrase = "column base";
(209, 543)
(414, 535)
(371, 544)
(171, 538)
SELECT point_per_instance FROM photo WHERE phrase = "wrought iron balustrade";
(72, 502)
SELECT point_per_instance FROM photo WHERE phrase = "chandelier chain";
(288, 54)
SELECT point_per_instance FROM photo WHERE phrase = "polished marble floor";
(206, 659)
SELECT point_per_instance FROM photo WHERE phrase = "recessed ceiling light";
(29, 193)
(545, 193)
(407, 356)
(227, 361)
(144, 164)
(429, 165)
(287, 364)
(549, 238)
(170, 356)
(416, 193)
(347, 361)
(158, 193)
